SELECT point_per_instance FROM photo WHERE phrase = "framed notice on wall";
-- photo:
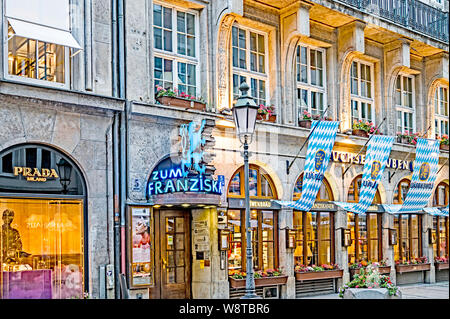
(141, 242)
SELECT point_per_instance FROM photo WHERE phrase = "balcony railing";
(412, 14)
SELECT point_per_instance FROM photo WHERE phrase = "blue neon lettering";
(174, 173)
(155, 175)
(162, 175)
(158, 188)
(193, 187)
(183, 184)
(169, 183)
(207, 185)
(150, 188)
(201, 184)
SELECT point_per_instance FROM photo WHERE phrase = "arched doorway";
(44, 224)
(314, 229)
(263, 223)
(365, 229)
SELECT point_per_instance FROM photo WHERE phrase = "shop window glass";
(253, 182)
(235, 252)
(42, 248)
(373, 227)
(31, 157)
(409, 241)
(364, 233)
(311, 238)
(351, 249)
(266, 190)
(298, 226)
(400, 191)
(443, 236)
(7, 163)
(441, 195)
(235, 185)
(255, 237)
(260, 184)
(268, 238)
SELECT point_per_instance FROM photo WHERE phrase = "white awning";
(43, 33)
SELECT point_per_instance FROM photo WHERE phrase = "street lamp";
(244, 113)
(64, 171)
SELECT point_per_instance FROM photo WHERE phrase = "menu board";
(142, 244)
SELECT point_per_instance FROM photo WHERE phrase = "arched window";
(441, 195)
(401, 190)
(314, 229)
(405, 103)
(263, 223)
(260, 184)
(441, 111)
(440, 223)
(353, 192)
(365, 229)
(249, 62)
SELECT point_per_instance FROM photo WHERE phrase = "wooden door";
(174, 238)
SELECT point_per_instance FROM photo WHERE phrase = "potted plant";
(444, 143)
(383, 268)
(403, 138)
(268, 277)
(440, 263)
(305, 119)
(368, 283)
(313, 272)
(179, 99)
(416, 264)
(266, 113)
(363, 129)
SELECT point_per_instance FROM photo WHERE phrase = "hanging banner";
(377, 154)
(318, 155)
(423, 178)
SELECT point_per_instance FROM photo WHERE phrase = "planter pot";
(305, 123)
(361, 133)
(259, 282)
(374, 293)
(444, 147)
(441, 266)
(314, 275)
(410, 268)
(182, 103)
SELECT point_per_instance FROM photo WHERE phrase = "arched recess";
(435, 83)
(223, 61)
(325, 193)
(354, 190)
(43, 191)
(260, 182)
(441, 193)
(344, 110)
(400, 191)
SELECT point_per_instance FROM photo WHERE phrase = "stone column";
(387, 222)
(341, 254)
(427, 248)
(286, 256)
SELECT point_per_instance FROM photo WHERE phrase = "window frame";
(438, 117)
(35, 81)
(437, 232)
(403, 108)
(247, 72)
(260, 172)
(174, 56)
(308, 86)
(410, 237)
(356, 234)
(358, 98)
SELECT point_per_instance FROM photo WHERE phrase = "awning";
(374, 208)
(444, 210)
(435, 211)
(43, 33)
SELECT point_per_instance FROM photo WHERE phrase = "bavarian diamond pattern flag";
(318, 155)
(424, 175)
(377, 154)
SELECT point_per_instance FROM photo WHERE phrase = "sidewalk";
(438, 290)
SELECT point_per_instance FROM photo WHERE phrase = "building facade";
(102, 128)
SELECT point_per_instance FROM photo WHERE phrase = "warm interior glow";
(225, 123)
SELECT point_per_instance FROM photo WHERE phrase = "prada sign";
(34, 174)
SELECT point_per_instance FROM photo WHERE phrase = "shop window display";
(263, 223)
(42, 249)
(315, 230)
(409, 245)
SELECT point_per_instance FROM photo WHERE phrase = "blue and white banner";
(423, 178)
(434, 211)
(377, 154)
(318, 155)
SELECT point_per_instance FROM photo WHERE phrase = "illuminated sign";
(191, 147)
(171, 180)
(345, 157)
(34, 174)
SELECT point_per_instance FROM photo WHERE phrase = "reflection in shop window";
(42, 248)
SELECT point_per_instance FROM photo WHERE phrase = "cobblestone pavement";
(438, 290)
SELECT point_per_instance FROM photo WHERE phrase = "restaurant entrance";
(172, 251)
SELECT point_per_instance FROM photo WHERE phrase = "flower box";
(441, 266)
(305, 123)
(381, 269)
(410, 268)
(403, 140)
(444, 147)
(359, 132)
(314, 275)
(183, 103)
(259, 282)
(267, 118)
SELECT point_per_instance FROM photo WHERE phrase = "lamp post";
(244, 114)
(64, 172)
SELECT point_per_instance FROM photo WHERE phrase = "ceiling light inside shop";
(225, 123)
(169, 205)
(156, 206)
(185, 205)
(201, 205)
